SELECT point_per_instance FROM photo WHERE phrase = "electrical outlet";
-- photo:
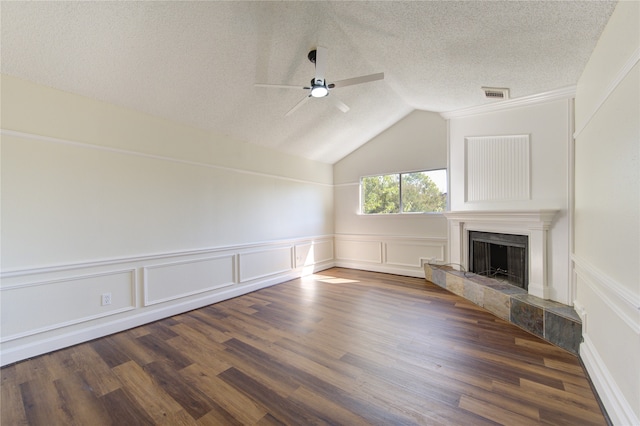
(106, 299)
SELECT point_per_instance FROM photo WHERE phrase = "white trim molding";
(618, 298)
(159, 256)
(567, 92)
(619, 409)
(49, 139)
(611, 87)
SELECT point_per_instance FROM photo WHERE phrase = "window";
(415, 192)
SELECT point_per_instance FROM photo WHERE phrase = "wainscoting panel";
(263, 263)
(309, 254)
(395, 255)
(65, 304)
(62, 302)
(497, 168)
(360, 251)
(413, 254)
(605, 301)
(175, 280)
(621, 302)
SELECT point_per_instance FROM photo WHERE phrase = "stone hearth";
(552, 321)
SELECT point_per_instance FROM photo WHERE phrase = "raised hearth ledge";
(552, 321)
(533, 223)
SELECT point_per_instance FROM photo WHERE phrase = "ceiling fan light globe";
(319, 91)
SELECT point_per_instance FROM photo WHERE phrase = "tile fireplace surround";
(557, 323)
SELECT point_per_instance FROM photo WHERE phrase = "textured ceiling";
(197, 62)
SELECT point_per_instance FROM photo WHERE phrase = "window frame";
(400, 204)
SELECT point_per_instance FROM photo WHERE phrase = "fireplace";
(500, 256)
(533, 224)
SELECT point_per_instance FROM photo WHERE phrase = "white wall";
(607, 214)
(99, 199)
(548, 125)
(391, 243)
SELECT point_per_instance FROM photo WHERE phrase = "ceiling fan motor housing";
(319, 88)
(312, 56)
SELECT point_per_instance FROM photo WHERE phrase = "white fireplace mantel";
(532, 223)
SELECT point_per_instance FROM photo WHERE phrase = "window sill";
(400, 214)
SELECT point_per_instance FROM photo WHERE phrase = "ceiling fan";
(319, 87)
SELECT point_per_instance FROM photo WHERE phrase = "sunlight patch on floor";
(328, 279)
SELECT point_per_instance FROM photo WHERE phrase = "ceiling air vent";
(496, 92)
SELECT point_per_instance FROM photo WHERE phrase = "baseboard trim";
(617, 407)
(380, 268)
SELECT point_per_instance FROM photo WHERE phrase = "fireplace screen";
(500, 256)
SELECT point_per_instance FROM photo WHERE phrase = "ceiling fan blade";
(321, 63)
(280, 86)
(339, 104)
(357, 80)
(298, 105)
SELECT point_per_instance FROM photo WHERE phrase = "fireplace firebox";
(500, 256)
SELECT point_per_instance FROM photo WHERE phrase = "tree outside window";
(416, 192)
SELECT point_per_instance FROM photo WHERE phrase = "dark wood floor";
(341, 347)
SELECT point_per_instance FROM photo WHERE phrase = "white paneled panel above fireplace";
(497, 168)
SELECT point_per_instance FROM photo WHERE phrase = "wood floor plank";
(566, 367)
(339, 414)
(36, 370)
(242, 407)
(216, 418)
(128, 343)
(42, 403)
(194, 402)
(12, 410)
(200, 323)
(94, 370)
(200, 347)
(493, 412)
(408, 404)
(109, 351)
(412, 383)
(80, 402)
(573, 400)
(277, 405)
(124, 410)
(160, 348)
(157, 403)
(515, 406)
(340, 347)
(548, 403)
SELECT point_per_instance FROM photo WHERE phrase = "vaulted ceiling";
(197, 62)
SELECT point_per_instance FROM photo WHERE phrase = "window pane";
(381, 194)
(424, 191)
